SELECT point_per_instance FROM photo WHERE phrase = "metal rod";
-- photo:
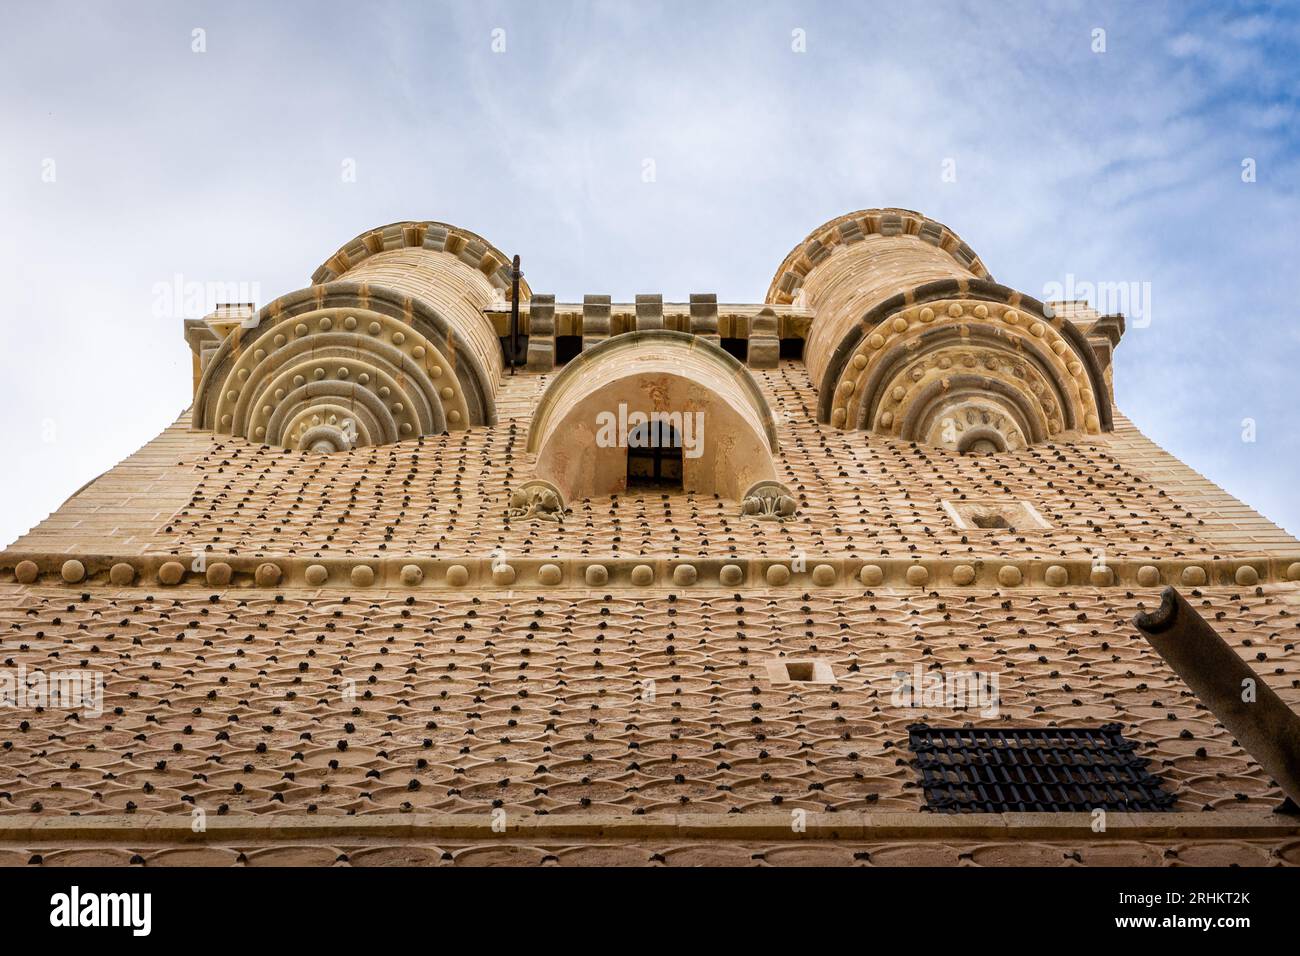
(515, 275)
(1235, 694)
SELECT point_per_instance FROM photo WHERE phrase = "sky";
(1146, 153)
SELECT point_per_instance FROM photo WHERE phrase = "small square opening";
(799, 670)
(567, 348)
(736, 347)
(792, 348)
(1005, 514)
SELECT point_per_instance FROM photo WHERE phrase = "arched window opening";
(654, 457)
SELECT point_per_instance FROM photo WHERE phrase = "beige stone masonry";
(120, 511)
(151, 828)
(541, 333)
(764, 343)
(495, 573)
(1233, 527)
(361, 652)
(597, 316)
(593, 323)
(649, 312)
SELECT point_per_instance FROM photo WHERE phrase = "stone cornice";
(166, 828)
(406, 574)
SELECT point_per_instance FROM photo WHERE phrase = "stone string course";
(588, 851)
(495, 573)
(845, 839)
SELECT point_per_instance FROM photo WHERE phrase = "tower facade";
(645, 581)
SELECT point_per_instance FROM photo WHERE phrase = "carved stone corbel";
(537, 499)
(769, 501)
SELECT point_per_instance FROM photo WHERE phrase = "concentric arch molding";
(1011, 347)
(1004, 373)
(347, 364)
(912, 338)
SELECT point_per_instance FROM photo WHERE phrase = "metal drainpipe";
(1265, 727)
(515, 276)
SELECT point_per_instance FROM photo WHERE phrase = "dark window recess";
(792, 348)
(654, 457)
(567, 348)
(1041, 769)
(737, 347)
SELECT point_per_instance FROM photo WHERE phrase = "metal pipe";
(1235, 694)
(515, 276)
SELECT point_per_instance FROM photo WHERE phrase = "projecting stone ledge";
(541, 333)
(826, 571)
(764, 341)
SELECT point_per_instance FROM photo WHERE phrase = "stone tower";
(644, 581)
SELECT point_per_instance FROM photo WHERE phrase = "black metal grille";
(1018, 769)
(654, 456)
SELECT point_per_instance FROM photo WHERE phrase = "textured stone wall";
(854, 278)
(859, 494)
(456, 290)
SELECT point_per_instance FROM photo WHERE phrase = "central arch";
(623, 387)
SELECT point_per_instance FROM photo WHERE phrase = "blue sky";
(226, 166)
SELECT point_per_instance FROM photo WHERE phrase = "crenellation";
(541, 333)
(649, 312)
